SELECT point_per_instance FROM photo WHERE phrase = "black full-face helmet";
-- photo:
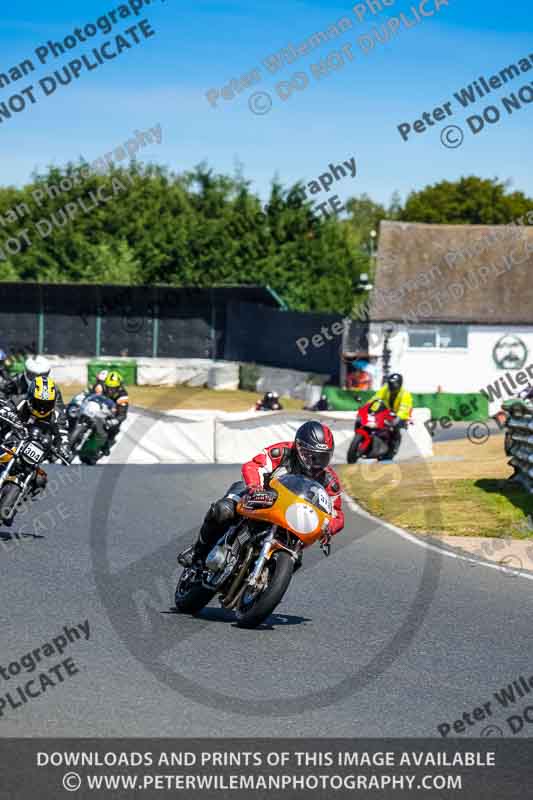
(394, 382)
(314, 446)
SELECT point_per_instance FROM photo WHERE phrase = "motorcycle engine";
(216, 559)
(222, 560)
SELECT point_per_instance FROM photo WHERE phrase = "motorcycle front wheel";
(353, 450)
(253, 608)
(394, 446)
(76, 436)
(191, 596)
(8, 497)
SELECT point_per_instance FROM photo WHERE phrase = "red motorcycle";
(374, 433)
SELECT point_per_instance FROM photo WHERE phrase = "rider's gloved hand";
(257, 496)
(65, 452)
(325, 540)
(9, 414)
(112, 424)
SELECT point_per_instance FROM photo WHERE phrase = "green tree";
(198, 228)
(468, 201)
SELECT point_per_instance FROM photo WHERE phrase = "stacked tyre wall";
(520, 440)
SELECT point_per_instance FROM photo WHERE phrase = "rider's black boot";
(219, 516)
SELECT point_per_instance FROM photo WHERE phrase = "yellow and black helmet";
(112, 383)
(42, 397)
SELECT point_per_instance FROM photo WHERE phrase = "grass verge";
(167, 398)
(464, 494)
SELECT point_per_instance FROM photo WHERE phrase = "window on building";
(453, 336)
(425, 338)
(441, 336)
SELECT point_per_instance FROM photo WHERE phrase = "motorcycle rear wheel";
(392, 450)
(191, 598)
(353, 450)
(90, 461)
(253, 613)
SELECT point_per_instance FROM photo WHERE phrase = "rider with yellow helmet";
(38, 411)
(111, 386)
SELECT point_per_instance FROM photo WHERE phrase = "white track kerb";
(519, 573)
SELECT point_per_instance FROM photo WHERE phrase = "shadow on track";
(212, 614)
(14, 536)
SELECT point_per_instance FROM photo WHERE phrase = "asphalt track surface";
(384, 638)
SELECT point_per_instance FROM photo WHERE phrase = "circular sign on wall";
(510, 352)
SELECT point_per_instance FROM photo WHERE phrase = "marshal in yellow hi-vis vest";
(402, 404)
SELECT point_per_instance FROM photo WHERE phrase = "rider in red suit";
(309, 455)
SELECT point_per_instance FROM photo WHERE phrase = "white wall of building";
(453, 369)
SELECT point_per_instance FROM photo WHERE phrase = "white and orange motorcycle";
(252, 564)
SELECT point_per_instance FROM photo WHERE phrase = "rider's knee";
(223, 510)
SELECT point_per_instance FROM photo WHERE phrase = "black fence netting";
(19, 317)
(310, 342)
(127, 315)
(237, 323)
(188, 324)
(69, 319)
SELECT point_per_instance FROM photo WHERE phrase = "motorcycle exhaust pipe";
(233, 590)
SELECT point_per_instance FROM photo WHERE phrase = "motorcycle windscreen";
(300, 507)
(309, 490)
(97, 407)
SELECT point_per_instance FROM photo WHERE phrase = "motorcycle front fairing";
(73, 408)
(97, 409)
(302, 507)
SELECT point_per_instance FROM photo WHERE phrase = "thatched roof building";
(454, 274)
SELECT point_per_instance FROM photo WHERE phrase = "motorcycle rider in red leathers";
(309, 455)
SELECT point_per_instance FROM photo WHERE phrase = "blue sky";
(354, 111)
